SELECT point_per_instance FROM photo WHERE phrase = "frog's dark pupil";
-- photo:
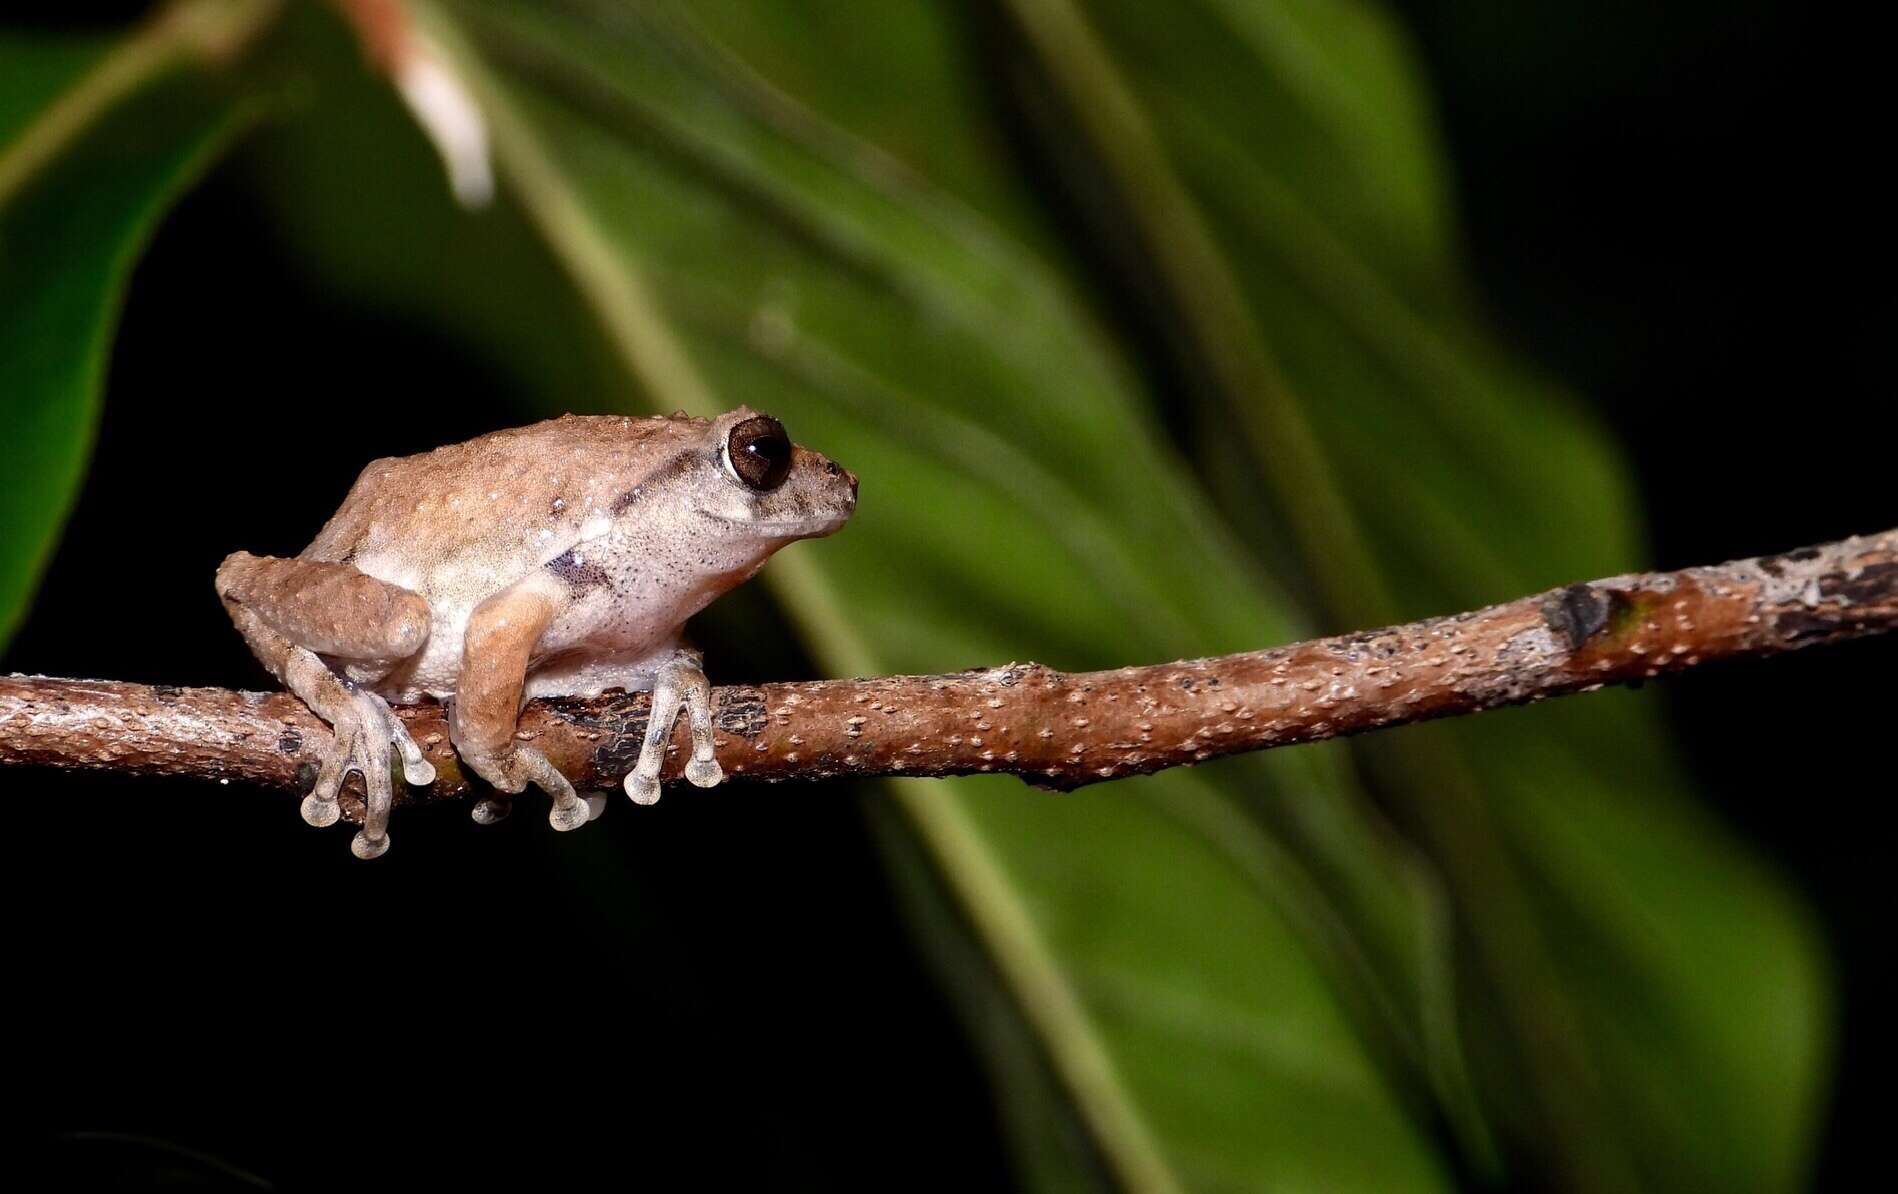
(761, 452)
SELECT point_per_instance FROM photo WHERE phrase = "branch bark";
(1051, 728)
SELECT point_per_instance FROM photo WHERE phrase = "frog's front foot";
(368, 736)
(680, 683)
(511, 771)
(495, 809)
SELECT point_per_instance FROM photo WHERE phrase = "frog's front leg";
(290, 611)
(499, 645)
(680, 682)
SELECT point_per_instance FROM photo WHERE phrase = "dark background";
(1680, 209)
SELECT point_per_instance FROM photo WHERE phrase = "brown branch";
(1052, 729)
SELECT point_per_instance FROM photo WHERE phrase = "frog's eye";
(760, 452)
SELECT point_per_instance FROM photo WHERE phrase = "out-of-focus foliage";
(71, 225)
(890, 225)
(1328, 254)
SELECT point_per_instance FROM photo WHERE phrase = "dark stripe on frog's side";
(588, 576)
(579, 577)
(678, 464)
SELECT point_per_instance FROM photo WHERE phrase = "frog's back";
(498, 506)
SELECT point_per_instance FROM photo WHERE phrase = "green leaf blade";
(747, 218)
(1469, 480)
(71, 227)
(913, 340)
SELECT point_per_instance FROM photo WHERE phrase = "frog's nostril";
(833, 468)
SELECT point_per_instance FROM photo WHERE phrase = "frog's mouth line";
(808, 528)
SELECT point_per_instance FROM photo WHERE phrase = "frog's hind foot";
(369, 738)
(296, 614)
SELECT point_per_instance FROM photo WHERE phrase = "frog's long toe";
(365, 847)
(320, 807)
(569, 812)
(417, 771)
(644, 789)
(368, 739)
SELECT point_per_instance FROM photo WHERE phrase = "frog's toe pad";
(704, 773)
(320, 812)
(569, 814)
(644, 789)
(364, 846)
(596, 805)
(491, 812)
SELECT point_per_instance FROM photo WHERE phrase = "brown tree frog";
(561, 559)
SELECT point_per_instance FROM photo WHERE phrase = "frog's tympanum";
(560, 559)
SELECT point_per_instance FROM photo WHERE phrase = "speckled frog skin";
(558, 559)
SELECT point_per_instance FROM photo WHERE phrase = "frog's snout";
(833, 469)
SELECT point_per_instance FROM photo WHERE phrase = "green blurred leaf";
(1182, 971)
(1237, 976)
(1299, 227)
(97, 138)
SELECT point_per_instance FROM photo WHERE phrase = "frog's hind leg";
(293, 611)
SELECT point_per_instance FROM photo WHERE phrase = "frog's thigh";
(331, 609)
(284, 631)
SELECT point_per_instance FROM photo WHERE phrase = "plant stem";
(179, 33)
(1053, 729)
